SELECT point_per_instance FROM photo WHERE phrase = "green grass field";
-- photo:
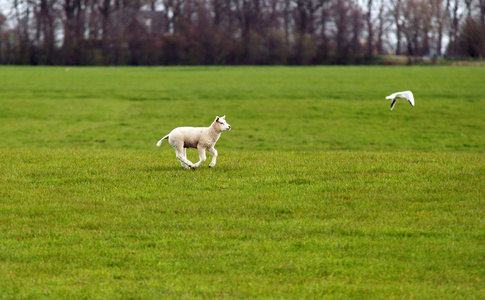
(319, 189)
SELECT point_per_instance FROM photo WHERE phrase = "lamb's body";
(192, 136)
(201, 138)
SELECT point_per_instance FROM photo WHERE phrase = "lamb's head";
(221, 125)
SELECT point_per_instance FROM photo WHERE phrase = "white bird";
(406, 94)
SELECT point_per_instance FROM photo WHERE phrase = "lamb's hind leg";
(182, 157)
(214, 156)
(186, 166)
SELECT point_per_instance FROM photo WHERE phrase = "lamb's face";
(222, 124)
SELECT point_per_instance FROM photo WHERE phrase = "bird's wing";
(393, 102)
(409, 95)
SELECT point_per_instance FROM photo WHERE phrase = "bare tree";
(236, 31)
(417, 27)
(440, 13)
(455, 19)
(381, 26)
(45, 19)
(306, 12)
(305, 17)
(248, 15)
(357, 26)
(370, 29)
(74, 26)
(23, 13)
(3, 37)
(468, 4)
(398, 19)
(472, 37)
(481, 6)
(343, 30)
(287, 19)
(105, 12)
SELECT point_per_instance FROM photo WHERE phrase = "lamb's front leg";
(214, 156)
(202, 156)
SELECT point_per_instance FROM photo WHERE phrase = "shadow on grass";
(178, 167)
(163, 168)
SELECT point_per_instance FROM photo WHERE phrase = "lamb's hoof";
(211, 166)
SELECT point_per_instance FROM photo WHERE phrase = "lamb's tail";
(160, 141)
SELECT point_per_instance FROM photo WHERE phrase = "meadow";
(320, 191)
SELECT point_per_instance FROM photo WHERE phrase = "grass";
(334, 108)
(319, 190)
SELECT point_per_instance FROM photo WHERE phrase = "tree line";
(230, 32)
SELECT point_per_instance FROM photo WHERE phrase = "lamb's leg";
(214, 156)
(202, 157)
(186, 166)
(183, 160)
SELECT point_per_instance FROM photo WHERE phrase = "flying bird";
(406, 95)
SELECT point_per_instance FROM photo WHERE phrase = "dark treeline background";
(207, 32)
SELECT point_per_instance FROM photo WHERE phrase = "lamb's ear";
(224, 117)
(217, 119)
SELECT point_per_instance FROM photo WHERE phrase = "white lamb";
(202, 138)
